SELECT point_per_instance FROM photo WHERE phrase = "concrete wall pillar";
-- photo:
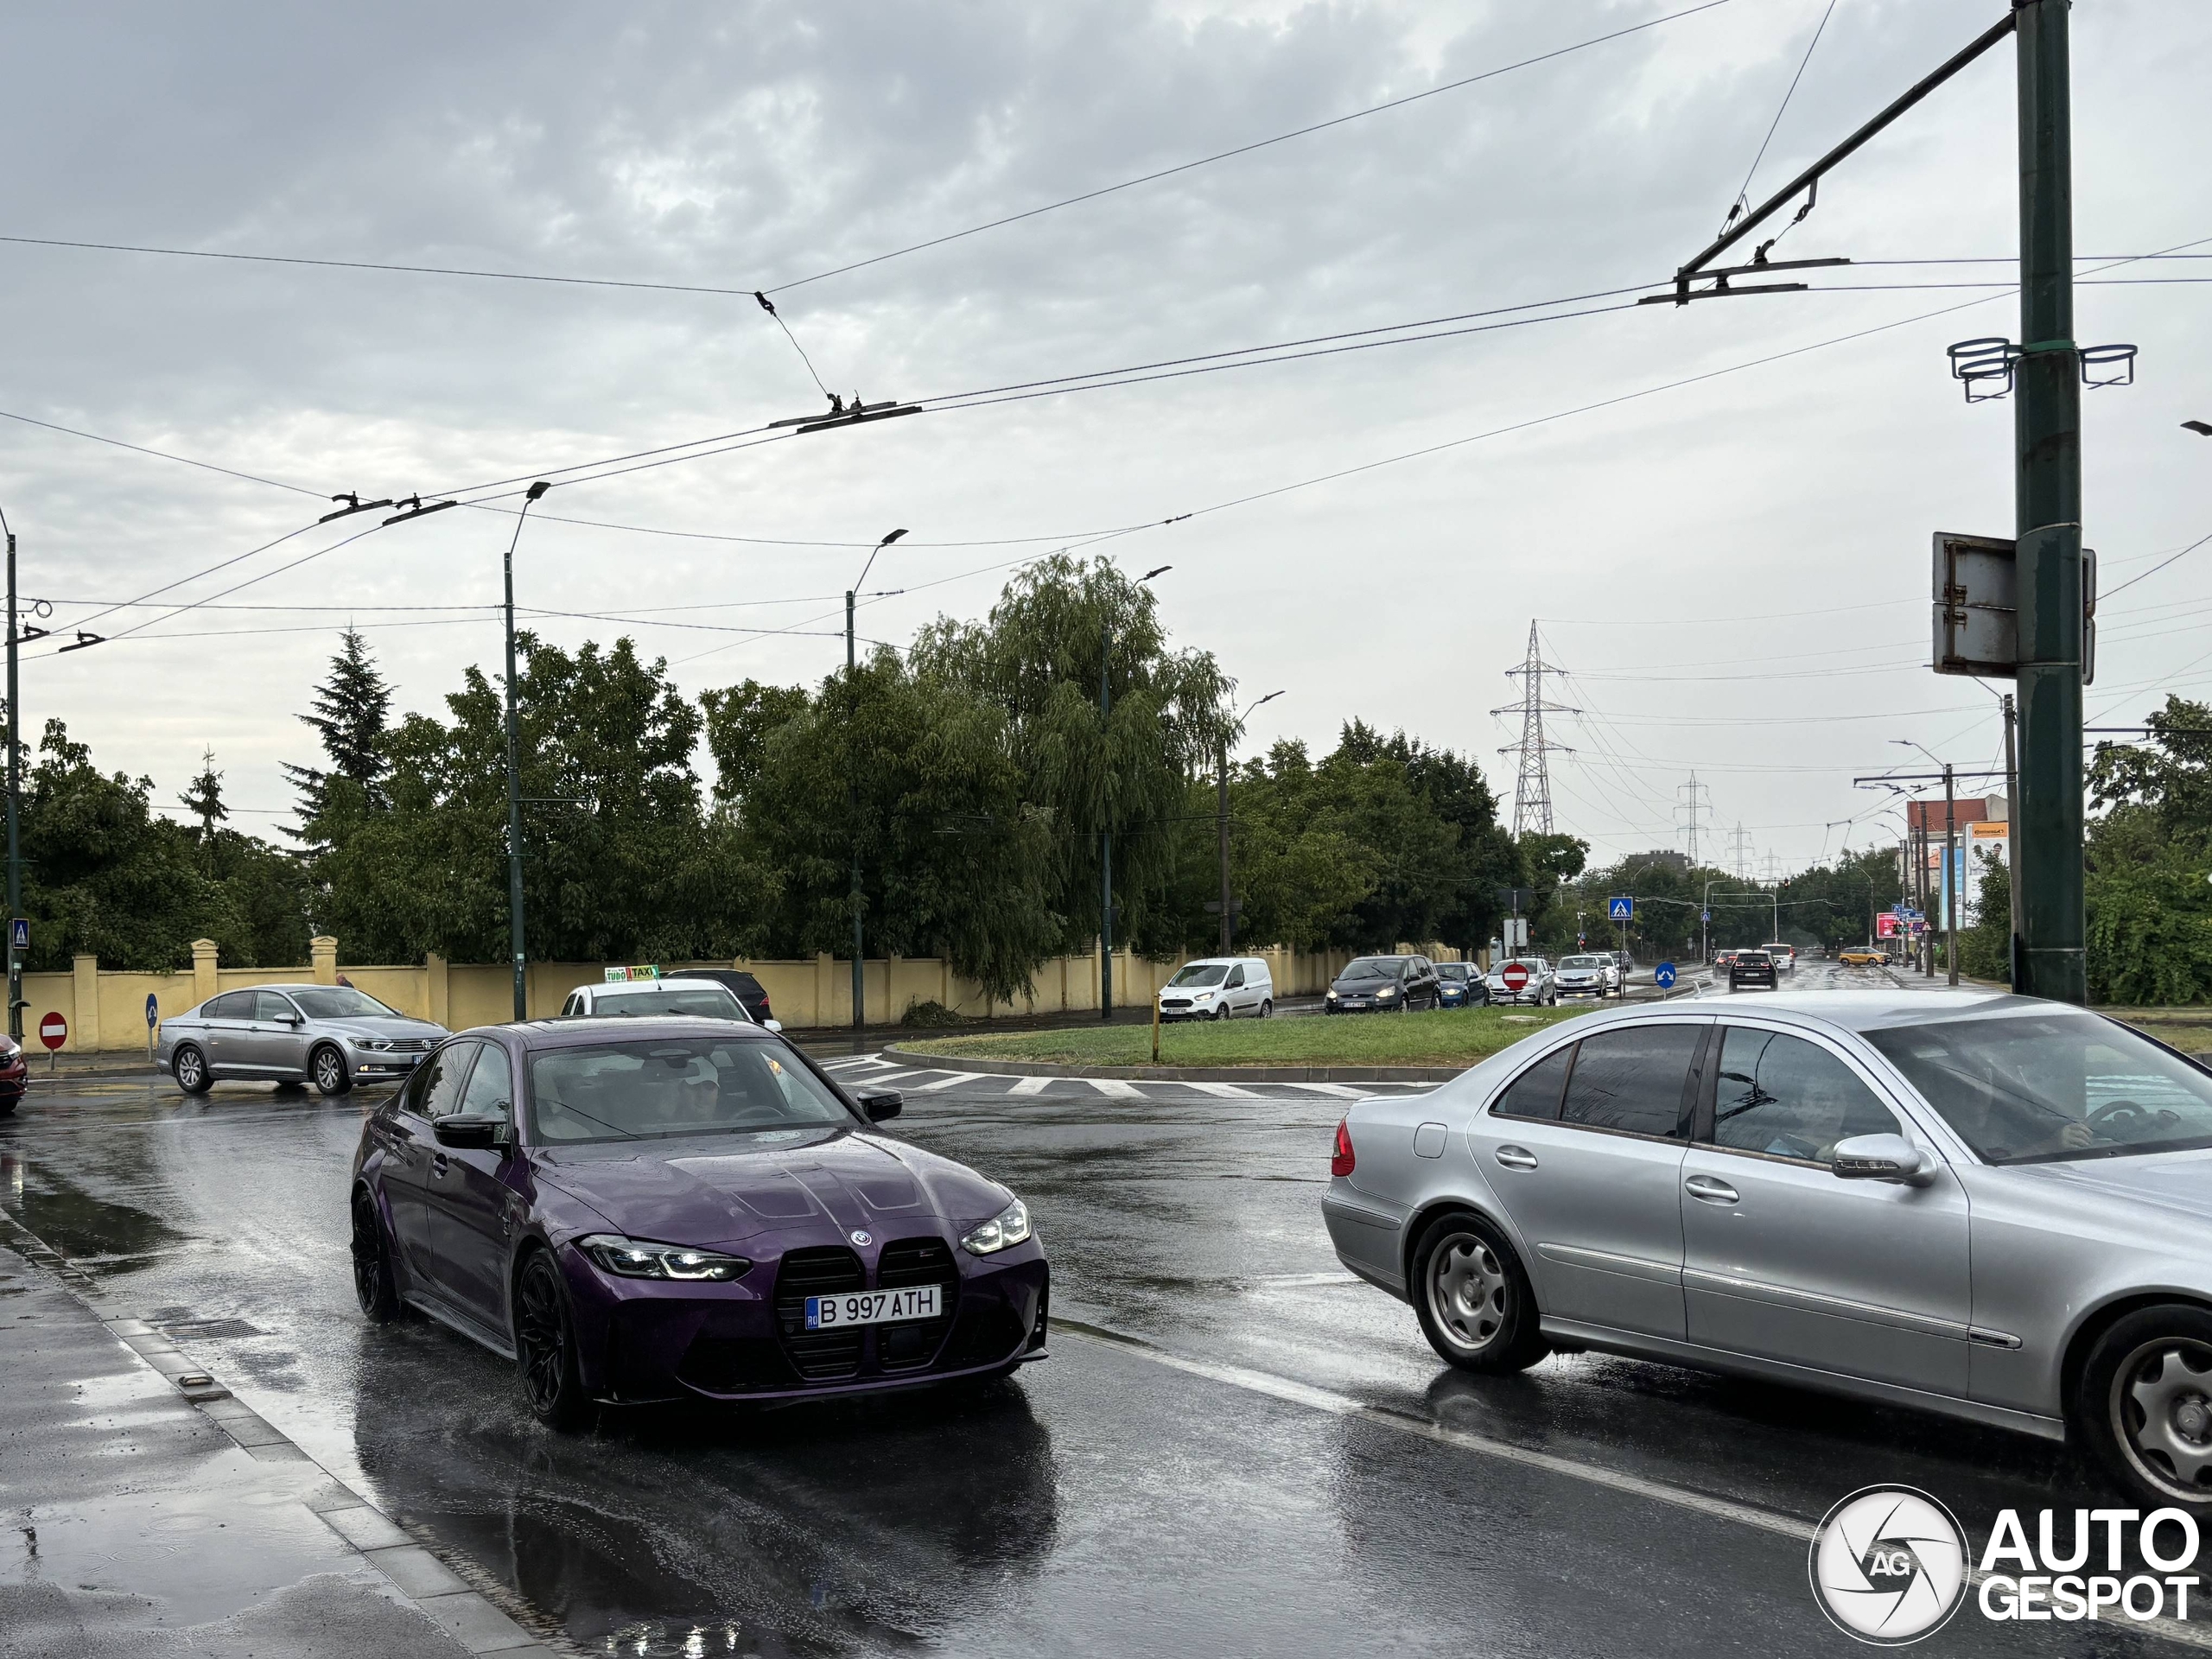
(84, 1029)
(322, 950)
(824, 985)
(438, 988)
(204, 983)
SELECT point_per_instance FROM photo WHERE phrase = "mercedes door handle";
(1712, 1189)
(1516, 1157)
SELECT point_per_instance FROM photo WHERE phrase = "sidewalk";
(145, 1514)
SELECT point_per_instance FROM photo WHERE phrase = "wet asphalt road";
(1275, 1464)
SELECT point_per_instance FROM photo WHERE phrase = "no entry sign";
(1515, 973)
(53, 1031)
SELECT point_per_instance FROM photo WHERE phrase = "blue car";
(1459, 985)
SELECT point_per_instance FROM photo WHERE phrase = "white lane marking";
(1226, 1091)
(1659, 1492)
(1115, 1089)
(1336, 1089)
(1032, 1085)
(946, 1082)
(896, 1077)
(856, 1059)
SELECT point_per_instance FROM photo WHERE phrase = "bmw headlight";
(1007, 1227)
(630, 1258)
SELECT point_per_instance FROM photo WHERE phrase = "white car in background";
(1219, 988)
(640, 998)
(1540, 986)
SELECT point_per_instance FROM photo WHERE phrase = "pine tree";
(203, 798)
(351, 714)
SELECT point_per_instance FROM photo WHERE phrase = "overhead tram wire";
(1742, 201)
(895, 253)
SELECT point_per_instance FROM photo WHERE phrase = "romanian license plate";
(872, 1308)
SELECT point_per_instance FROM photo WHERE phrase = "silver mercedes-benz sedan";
(1975, 1204)
(332, 1036)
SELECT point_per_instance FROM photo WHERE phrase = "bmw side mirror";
(475, 1134)
(887, 1104)
(1881, 1158)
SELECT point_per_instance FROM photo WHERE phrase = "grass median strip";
(1446, 1037)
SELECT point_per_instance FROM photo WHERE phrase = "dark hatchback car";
(1383, 985)
(638, 1210)
(747, 989)
(1460, 985)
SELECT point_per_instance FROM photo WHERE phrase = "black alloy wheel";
(189, 1066)
(374, 1287)
(545, 1347)
(327, 1066)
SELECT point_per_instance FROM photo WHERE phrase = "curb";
(1176, 1073)
(476, 1623)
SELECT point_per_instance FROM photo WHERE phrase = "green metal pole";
(1106, 834)
(2048, 952)
(859, 972)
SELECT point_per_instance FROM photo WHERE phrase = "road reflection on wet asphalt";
(1254, 1473)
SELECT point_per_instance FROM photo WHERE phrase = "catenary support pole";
(852, 798)
(1106, 830)
(2011, 834)
(2049, 953)
(14, 799)
(1953, 897)
(515, 932)
(1221, 830)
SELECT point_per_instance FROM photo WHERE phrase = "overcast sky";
(1735, 573)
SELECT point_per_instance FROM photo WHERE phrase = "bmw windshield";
(2054, 1087)
(664, 1087)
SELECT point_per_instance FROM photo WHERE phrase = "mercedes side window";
(1789, 1098)
(1635, 1079)
(1535, 1092)
(490, 1091)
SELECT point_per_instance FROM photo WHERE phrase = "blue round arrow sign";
(1663, 976)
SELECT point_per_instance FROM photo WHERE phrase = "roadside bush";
(930, 1016)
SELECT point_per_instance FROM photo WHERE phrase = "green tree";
(351, 712)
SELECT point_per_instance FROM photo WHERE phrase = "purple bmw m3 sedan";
(637, 1210)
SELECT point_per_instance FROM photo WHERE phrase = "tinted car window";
(1633, 1079)
(434, 1091)
(231, 1005)
(672, 1086)
(268, 1005)
(709, 1002)
(490, 1091)
(2053, 1086)
(1535, 1092)
(1790, 1097)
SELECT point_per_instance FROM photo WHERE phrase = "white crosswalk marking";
(1337, 1089)
(1032, 1085)
(1115, 1089)
(1228, 1091)
(945, 1082)
(856, 1059)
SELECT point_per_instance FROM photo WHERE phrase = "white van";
(1219, 988)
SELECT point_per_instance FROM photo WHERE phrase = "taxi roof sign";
(620, 975)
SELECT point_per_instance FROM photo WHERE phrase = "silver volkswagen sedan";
(1981, 1205)
(332, 1036)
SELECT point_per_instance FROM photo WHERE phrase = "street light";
(852, 799)
(1106, 830)
(514, 763)
(1221, 815)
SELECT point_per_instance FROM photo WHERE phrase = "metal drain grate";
(207, 1330)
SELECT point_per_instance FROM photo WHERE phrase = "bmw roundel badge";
(861, 1239)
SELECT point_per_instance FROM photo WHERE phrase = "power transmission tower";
(1699, 806)
(1770, 869)
(1740, 852)
(1532, 790)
